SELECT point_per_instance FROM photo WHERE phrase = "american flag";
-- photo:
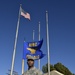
(25, 14)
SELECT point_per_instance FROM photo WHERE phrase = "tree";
(52, 68)
(45, 68)
(61, 68)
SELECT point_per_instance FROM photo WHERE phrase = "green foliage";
(45, 68)
(52, 67)
(59, 67)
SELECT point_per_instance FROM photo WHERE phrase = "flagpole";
(23, 61)
(22, 66)
(14, 52)
(48, 43)
(39, 40)
(33, 35)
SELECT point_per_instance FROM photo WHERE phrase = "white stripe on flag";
(25, 14)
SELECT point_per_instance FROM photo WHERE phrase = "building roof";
(54, 72)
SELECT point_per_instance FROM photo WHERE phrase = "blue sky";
(61, 31)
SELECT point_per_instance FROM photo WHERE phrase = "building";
(54, 72)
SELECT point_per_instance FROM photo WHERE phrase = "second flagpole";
(39, 40)
(48, 43)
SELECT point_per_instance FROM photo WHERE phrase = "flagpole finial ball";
(46, 11)
(20, 4)
(39, 21)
